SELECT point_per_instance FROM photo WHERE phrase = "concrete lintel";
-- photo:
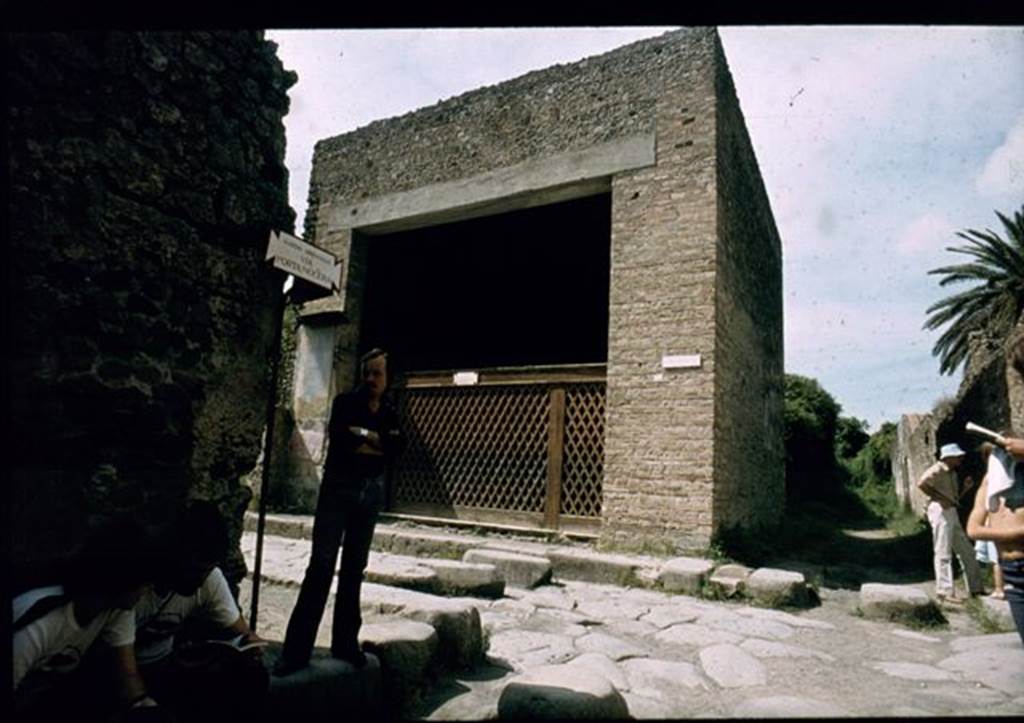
(530, 183)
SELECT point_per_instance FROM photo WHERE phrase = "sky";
(876, 145)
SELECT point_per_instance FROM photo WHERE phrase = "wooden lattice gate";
(521, 446)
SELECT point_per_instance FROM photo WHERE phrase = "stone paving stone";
(894, 602)
(522, 648)
(732, 667)
(644, 708)
(772, 649)
(684, 574)
(777, 587)
(695, 636)
(651, 677)
(997, 666)
(745, 626)
(602, 665)
(549, 596)
(610, 610)
(911, 635)
(517, 570)
(1010, 641)
(787, 706)
(521, 547)
(911, 671)
(518, 608)
(615, 648)
(562, 692)
(664, 616)
(466, 578)
(636, 629)
(784, 617)
(555, 626)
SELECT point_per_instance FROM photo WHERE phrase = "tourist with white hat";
(939, 483)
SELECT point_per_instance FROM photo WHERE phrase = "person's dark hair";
(117, 556)
(200, 532)
(372, 354)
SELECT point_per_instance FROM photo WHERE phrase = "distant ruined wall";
(146, 171)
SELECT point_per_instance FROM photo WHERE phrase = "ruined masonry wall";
(146, 170)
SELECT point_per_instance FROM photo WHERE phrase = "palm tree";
(993, 306)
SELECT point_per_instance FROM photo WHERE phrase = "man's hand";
(1015, 446)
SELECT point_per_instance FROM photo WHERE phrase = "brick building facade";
(690, 365)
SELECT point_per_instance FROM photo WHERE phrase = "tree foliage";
(993, 305)
(811, 416)
(851, 436)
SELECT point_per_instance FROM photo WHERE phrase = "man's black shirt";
(352, 410)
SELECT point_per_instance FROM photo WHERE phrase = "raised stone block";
(517, 570)
(422, 544)
(729, 580)
(406, 650)
(561, 692)
(895, 602)
(457, 622)
(777, 587)
(326, 686)
(587, 566)
(471, 579)
(684, 575)
(998, 612)
(401, 572)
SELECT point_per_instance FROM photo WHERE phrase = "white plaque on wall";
(680, 361)
(462, 379)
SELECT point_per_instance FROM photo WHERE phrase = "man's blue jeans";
(349, 509)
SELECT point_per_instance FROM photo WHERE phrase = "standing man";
(939, 483)
(363, 437)
(1001, 503)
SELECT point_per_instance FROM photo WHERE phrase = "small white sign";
(463, 379)
(304, 260)
(680, 361)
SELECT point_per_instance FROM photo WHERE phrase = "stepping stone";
(895, 602)
(684, 575)
(515, 569)
(466, 578)
(406, 650)
(457, 622)
(400, 572)
(561, 691)
(327, 685)
(777, 587)
(998, 611)
(732, 667)
(729, 581)
(788, 706)
(573, 564)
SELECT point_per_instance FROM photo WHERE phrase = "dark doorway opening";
(523, 288)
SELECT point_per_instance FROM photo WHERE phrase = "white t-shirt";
(56, 642)
(159, 617)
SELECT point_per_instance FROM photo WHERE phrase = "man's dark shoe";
(352, 655)
(287, 667)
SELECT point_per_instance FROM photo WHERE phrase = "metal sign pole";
(268, 446)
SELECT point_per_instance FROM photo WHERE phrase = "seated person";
(60, 670)
(197, 681)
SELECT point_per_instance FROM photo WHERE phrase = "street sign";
(304, 260)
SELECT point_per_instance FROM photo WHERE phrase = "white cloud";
(929, 232)
(1003, 172)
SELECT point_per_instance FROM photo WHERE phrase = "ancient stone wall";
(749, 454)
(146, 172)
